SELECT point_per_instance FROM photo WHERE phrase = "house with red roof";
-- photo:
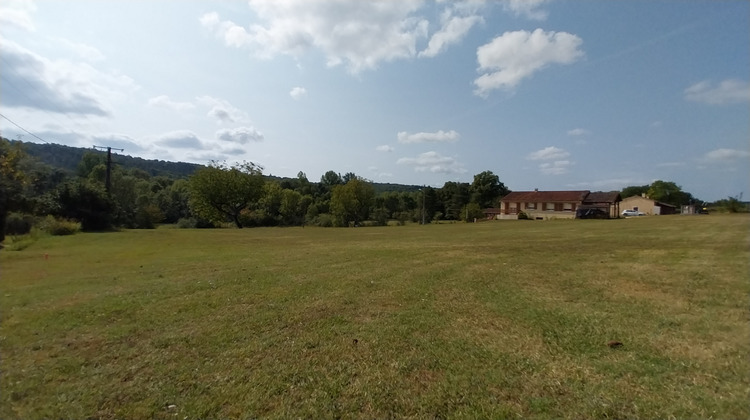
(547, 205)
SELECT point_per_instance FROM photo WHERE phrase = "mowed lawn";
(497, 319)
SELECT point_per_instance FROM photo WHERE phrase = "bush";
(324, 220)
(59, 227)
(148, 216)
(18, 224)
(194, 223)
(523, 216)
(187, 223)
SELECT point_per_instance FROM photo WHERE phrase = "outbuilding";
(646, 205)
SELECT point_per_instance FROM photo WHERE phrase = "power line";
(27, 131)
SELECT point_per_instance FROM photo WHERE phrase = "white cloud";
(726, 155)
(298, 92)
(384, 148)
(454, 29)
(35, 82)
(210, 20)
(234, 151)
(556, 163)
(119, 141)
(163, 101)
(378, 174)
(578, 132)
(527, 8)
(84, 51)
(436, 137)
(359, 34)
(729, 91)
(548, 153)
(221, 114)
(241, 135)
(222, 110)
(557, 167)
(17, 13)
(182, 139)
(433, 162)
(513, 56)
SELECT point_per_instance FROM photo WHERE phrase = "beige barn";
(646, 205)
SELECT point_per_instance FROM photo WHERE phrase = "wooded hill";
(67, 158)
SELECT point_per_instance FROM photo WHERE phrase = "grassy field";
(495, 319)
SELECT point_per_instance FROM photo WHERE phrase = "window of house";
(531, 206)
(568, 207)
(549, 206)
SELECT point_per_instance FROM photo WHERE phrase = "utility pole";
(108, 182)
(424, 191)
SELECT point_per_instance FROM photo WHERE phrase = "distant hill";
(67, 158)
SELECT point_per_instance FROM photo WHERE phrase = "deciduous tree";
(350, 203)
(634, 190)
(487, 189)
(667, 192)
(12, 180)
(219, 192)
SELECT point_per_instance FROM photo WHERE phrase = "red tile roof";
(545, 196)
(603, 197)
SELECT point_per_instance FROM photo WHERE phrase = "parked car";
(629, 212)
(591, 213)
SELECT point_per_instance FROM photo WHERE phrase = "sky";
(548, 94)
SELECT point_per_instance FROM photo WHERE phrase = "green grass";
(495, 319)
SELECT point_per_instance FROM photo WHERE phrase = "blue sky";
(546, 94)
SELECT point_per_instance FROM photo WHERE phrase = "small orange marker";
(46, 256)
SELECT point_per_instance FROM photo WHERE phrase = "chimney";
(536, 189)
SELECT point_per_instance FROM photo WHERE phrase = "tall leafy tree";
(349, 176)
(219, 192)
(330, 179)
(634, 190)
(290, 210)
(12, 180)
(87, 202)
(454, 196)
(303, 186)
(668, 192)
(173, 201)
(487, 189)
(269, 205)
(350, 203)
(429, 204)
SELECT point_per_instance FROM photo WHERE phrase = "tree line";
(217, 194)
(241, 195)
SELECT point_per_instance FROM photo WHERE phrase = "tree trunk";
(236, 218)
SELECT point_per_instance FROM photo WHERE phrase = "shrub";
(148, 216)
(193, 223)
(324, 220)
(18, 224)
(187, 223)
(523, 216)
(19, 243)
(59, 227)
